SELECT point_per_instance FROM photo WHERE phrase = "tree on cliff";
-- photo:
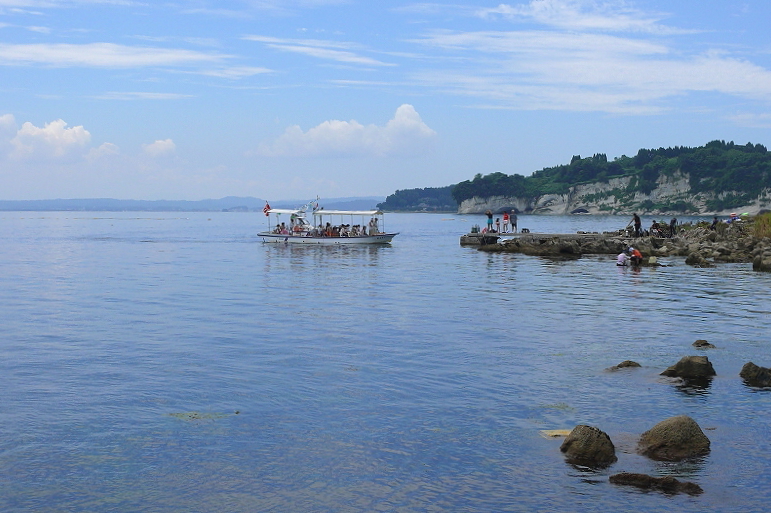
(714, 168)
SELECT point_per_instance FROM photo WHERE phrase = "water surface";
(173, 362)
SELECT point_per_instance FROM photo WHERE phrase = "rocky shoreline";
(702, 246)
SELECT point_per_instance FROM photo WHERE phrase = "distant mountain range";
(227, 204)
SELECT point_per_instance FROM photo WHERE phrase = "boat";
(328, 227)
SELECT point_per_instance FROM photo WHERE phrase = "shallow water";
(409, 377)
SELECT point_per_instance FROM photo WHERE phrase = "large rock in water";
(589, 446)
(691, 367)
(756, 376)
(674, 439)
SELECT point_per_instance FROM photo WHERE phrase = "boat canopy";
(323, 212)
(285, 211)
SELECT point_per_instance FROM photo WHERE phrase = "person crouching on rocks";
(621, 259)
(635, 257)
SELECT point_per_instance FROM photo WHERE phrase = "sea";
(174, 362)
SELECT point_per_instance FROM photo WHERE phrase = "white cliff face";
(612, 198)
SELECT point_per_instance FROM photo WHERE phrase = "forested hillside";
(430, 199)
(715, 168)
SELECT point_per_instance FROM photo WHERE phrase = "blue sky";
(296, 98)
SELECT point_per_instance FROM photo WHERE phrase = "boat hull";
(380, 238)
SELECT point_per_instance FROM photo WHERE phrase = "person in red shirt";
(635, 256)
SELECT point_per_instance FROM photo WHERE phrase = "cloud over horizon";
(404, 135)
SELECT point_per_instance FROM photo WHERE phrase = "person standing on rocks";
(489, 215)
(637, 224)
(672, 227)
(513, 219)
(505, 221)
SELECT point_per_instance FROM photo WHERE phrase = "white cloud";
(103, 151)
(53, 140)
(116, 95)
(611, 15)
(7, 122)
(585, 72)
(100, 55)
(320, 49)
(405, 134)
(236, 72)
(160, 148)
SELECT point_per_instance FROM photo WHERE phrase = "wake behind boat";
(293, 226)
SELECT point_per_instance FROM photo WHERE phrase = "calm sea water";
(172, 362)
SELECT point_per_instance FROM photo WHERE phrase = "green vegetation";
(762, 225)
(713, 168)
(431, 199)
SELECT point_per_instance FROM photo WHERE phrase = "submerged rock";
(623, 365)
(589, 446)
(703, 344)
(756, 376)
(665, 484)
(691, 367)
(674, 439)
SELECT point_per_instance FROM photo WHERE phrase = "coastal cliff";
(672, 195)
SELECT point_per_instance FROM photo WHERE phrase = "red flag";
(266, 209)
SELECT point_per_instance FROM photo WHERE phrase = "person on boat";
(489, 215)
(363, 231)
(621, 259)
(635, 257)
(506, 221)
(284, 230)
(513, 219)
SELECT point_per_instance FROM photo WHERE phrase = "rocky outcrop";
(611, 197)
(664, 484)
(589, 446)
(674, 439)
(703, 344)
(756, 376)
(691, 367)
(730, 243)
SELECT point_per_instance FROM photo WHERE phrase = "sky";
(278, 99)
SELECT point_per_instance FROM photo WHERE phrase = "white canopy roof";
(323, 212)
(285, 211)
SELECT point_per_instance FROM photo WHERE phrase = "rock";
(589, 446)
(674, 439)
(756, 376)
(703, 344)
(665, 484)
(624, 364)
(762, 261)
(697, 260)
(691, 367)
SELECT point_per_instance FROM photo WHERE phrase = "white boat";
(329, 227)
